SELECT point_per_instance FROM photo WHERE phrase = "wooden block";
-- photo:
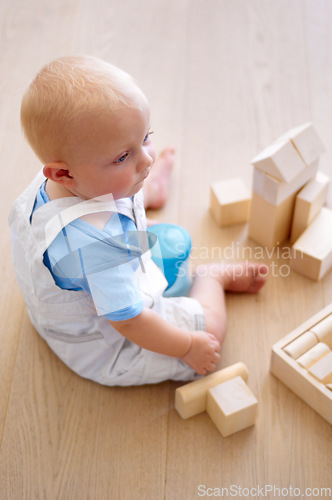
(329, 386)
(308, 203)
(281, 160)
(229, 202)
(301, 345)
(190, 399)
(323, 330)
(306, 141)
(258, 181)
(322, 369)
(311, 254)
(270, 224)
(298, 379)
(314, 354)
(274, 190)
(231, 406)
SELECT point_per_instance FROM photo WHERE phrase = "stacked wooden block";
(288, 195)
(224, 395)
(303, 362)
(287, 201)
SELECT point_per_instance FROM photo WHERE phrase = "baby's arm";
(150, 331)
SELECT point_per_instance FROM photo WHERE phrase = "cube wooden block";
(306, 141)
(231, 406)
(322, 369)
(190, 399)
(313, 355)
(297, 378)
(270, 224)
(276, 191)
(308, 203)
(311, 254)
(323, 330)
(280, 160)
(229, 202)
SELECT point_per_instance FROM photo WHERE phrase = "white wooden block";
(314, 354)
(270, 224)
(301, 345)
(308, 203)
(190, 399)
(231, 406)
(311, 254)
(297, 378)
(281, 160)
(258, 181)
(316, 188)
(322, 369)
(274, 190)
(229, 202)
(323, 330)
(306, 141)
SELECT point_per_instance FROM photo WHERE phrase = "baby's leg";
(211, 281)
(155, 186)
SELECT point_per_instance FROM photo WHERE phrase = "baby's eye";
(122, 158)
(147, 135)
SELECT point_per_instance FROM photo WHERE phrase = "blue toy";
(173, 258)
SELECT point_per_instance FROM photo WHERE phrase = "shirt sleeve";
(115, 292)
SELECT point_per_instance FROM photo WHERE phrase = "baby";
(90, 290)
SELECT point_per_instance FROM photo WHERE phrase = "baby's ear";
(58, 172)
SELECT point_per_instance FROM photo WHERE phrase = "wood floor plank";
(224, 79)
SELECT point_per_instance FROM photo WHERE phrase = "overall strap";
(50, 219)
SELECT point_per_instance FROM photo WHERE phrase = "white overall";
(67, 320)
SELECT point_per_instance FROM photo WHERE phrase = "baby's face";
(115, 154)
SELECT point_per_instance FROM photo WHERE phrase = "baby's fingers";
(214, 342)
(213, 362)
(216, 358)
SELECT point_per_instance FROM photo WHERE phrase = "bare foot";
(245, 276)
(156, 184)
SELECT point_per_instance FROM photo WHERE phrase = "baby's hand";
(204, 352)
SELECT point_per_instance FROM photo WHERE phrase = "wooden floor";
(224, 79)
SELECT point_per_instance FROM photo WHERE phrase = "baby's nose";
(145, 161)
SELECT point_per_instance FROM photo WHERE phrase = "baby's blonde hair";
(61, 95)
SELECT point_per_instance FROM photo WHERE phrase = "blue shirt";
(101, 262)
